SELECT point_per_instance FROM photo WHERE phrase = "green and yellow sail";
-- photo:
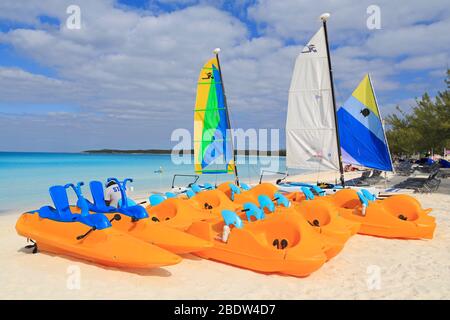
(213, 149)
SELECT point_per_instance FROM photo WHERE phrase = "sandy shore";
(367, 268)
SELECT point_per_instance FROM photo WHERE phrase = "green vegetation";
(427, 127)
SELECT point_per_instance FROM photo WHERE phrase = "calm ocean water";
(26, 177)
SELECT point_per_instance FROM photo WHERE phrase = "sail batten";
(311, 140)
(362, 136)
(213, 152)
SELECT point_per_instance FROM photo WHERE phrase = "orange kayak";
(109, 247)
(399, 216)
(256, 245)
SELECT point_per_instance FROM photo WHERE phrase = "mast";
(324, 18)
(216, 52)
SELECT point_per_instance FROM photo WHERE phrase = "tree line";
(426, 128)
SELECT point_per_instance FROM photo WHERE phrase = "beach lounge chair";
(423, 185)
(374, 178)
(359, 181)
(404, 168)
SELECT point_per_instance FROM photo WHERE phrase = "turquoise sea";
(26, 177)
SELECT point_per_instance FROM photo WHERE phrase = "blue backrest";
(307, 192)
(234, 190)
(368, 195)
(253, 210)
(230, 217)
(362, 198)
(156, 199)
(60, 200)
(265, 202)
(97, 193)
(245, 186)
(282, 200)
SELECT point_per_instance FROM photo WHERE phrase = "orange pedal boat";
(108, 246)
(180, 213)
(399, 216)
(177, 213)
(277, 244)
(320, 214)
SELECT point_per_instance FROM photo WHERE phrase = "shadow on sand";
(156, 272)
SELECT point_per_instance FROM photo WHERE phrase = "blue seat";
(368, 195)
(318, 190)
(82, 203)
(231, 218)
(208, 186)
(126, 207)
(135, 211)
(307, 192)
(170, 195)
(62, 212)
(282, 200)
(130, 202)
(253, 210)
(190, 193)
(156, 199)
(196, 188)
(234, 190)
(245, 186)
(98, 196)
(265, 202)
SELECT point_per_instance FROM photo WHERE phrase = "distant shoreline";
(166, 151)
(137, 151)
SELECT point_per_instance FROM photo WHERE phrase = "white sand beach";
(367, 268)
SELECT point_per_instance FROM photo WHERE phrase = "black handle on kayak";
(86, 234)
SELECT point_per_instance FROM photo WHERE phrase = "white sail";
(311, 142)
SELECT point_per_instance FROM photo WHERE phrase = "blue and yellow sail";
(361, 133)
(213, 149)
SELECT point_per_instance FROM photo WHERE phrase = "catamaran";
(321, 137)
(213, 143)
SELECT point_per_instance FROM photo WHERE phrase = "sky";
(127, 77)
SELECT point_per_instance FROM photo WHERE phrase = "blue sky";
(126, 79)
